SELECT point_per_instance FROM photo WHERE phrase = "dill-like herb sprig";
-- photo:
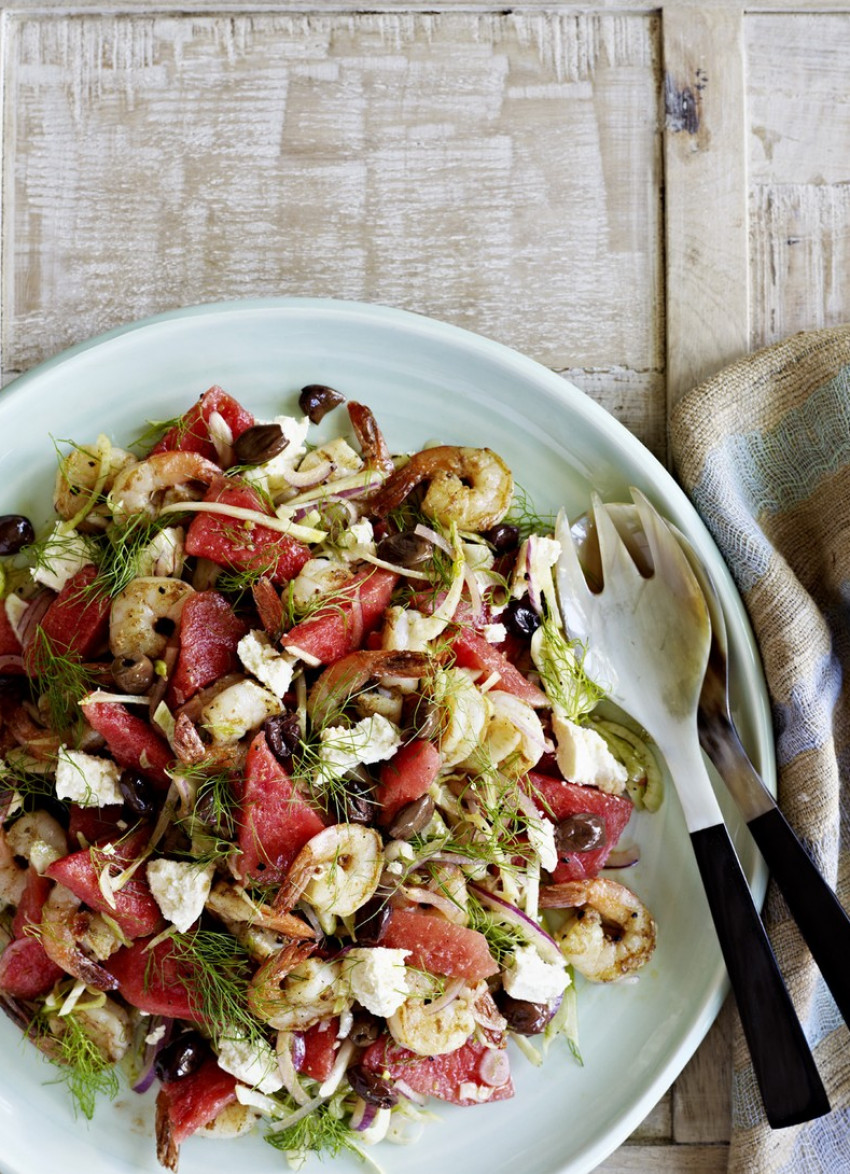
(81, 1064)
(63, 680)
(119, 555)
(502, 939)
(523, 515)
(216, 975)
(565, 680)
(321, 1131)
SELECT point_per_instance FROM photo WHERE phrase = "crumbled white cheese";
(164, 555)
(583, 756)
(359, 536)
(529, 978)
(494, 633)
(63, 554)
(341, 749)
(480, 1093)
(377, 978)
(254, 1063)
(153, 1037)
(180, 888)
(541, 836)
(238, 709)
(262, 660)
(87, 780)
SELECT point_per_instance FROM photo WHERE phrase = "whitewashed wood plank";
(799, 120)
(707, 279)
(498, 171)
(702, 1096)
(666, 1159)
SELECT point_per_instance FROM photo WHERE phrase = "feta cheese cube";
(377, 978)
(529, 978)
(63, 554)
(254, 1063)
(262, 660)
(272, 474)
(541, 836)
(180, 888)
(583, 756)
(342, 748)
(87, 780)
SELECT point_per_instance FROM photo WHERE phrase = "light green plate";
(424, 380)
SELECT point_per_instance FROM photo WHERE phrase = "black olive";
(365, 1028)
(371, 1087)
(520, 618)
(138, 793)
(502, 538)
(523, 1017)
(405, 550)
(181, 1057)
(259, 444)
(355, 804)
(412, 818)
(15, 531)
(580, 833)
(283, 734)
(316, 401)
(133, 674)
(370, 921)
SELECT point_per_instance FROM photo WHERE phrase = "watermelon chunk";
(474, 1074)
(472, 651)
(93, 823)
(209, 633)
(238, 545)
(31, 903)
(154, 980)
(355, 610)
(191, 433)
(186, 1105)
(136, 912)
(275, 822)
(320, 1048)
(76, 623)
(558, 799)
(131, 740)
(439, 946)
(406, 777)
(25, 970)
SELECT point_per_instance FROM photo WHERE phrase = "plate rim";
(585, 1159)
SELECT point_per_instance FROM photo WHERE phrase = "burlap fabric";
(763, 449)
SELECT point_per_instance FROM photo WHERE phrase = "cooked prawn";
(432, 1026)
(233, 905)
(336, 871)
(143, 488)
(340, 681)
(144, 615)
(376, 454)
(266, 997)
(471, 487)
(62, 924)
(610, 933)
(84, 471)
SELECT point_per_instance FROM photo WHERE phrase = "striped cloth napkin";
(763, 450)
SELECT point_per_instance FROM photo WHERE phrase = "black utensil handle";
(821, 918)
(791, 1089)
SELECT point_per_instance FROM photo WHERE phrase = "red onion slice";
(495, 1068)
(146, 1077)
(34, 614)
(363, 1115)
(547, 947)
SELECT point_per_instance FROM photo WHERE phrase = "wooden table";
(632, 194)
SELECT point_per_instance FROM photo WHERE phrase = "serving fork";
(650, 636)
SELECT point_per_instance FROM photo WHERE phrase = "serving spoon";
(650, 637)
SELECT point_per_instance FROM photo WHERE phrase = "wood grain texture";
(707, 280)
(501, 172)
(799, 200)
(660, 1159)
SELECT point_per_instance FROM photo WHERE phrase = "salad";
(304, 792)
